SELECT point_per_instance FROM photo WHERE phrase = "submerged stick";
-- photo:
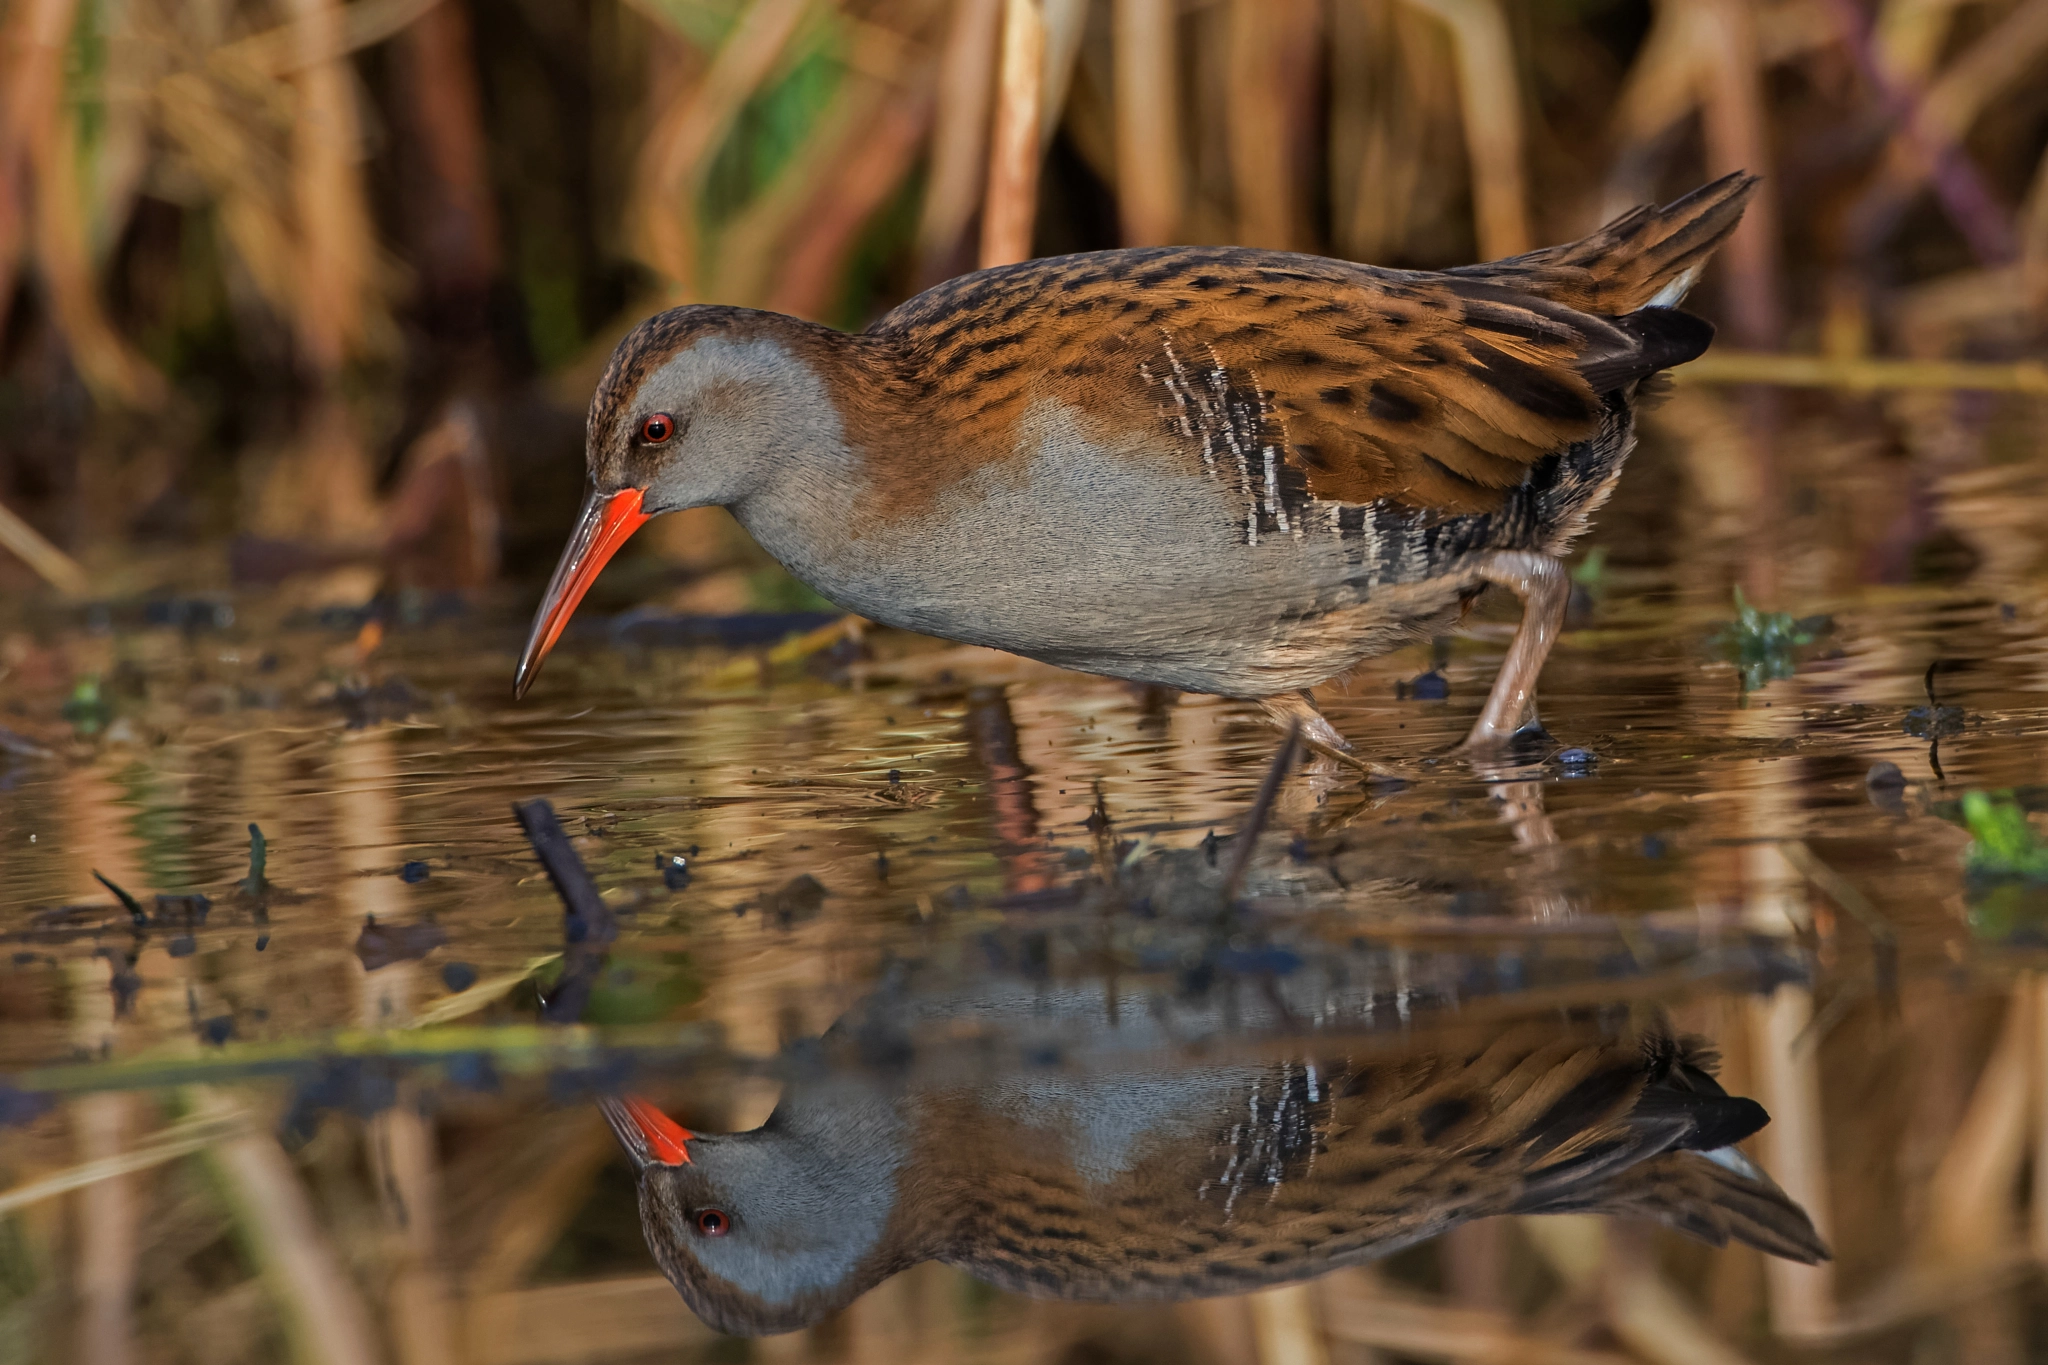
(1262, 808)
(587, 922)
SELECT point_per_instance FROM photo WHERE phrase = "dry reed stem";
(461, 247)
(51, 564)
(1490, 98)
(109, 1219)
(1010, 204)
(1864, 373)
(1995, 64)
(168, 1144)
(960, 133)
(1066, 23)
(292, 47)
(323, 1312)
(1149, 175)
(1970, 1195)
(1794, 1150)
(2033, 245)
(1284, 1326)
(1655, 1322)
(1926, 144)
(752, 250)
(419, 1310)
(1358, 1312)
(1737, 128)
(2037, 1225)
(32, 44)
(1908, 35)
(678, 150)
(39, 138)
(812, 274)
(336, 263)
(1271, 54)
(588, 1320)
(528, 1220)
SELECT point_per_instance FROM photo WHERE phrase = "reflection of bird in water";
(1065, 1152)
(1211, 468)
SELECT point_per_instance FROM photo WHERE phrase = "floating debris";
(800, 898)
(380, 945)
(1430, 686)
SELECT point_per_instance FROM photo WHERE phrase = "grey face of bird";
(765, 1231)
(708, 419)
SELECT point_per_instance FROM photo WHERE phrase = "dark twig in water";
(1262, 808)
(587, 922)
(128, 902)
(1934, 722)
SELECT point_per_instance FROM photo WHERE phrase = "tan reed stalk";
(1969, 1198)
(2034, 244)
(1149, 177)
(27, 544)
(1490, 98)
(1360, 1311)
(960, 134)
(40, 136)
(461, 242)
(32, 63)
(1285, 1328)
(678, 151)
(1272, 80)
(1738, 138)
(333, 281)
(814, 270)
(1010, 204)
(1864, 373)
(324, 1314)
(1655, 1322)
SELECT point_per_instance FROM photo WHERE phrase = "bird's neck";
(841, 404)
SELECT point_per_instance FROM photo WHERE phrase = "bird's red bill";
(607, 520)
(647, 1132)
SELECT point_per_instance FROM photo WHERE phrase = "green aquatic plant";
(2006, 865)
(87, 708)
(1762, 644)
(1590, 572)
(2004, 845)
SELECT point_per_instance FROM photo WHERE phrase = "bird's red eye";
(657, 428)
(713, 1222)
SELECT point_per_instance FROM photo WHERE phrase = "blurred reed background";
(327, 285)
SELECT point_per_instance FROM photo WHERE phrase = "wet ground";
(319, 1101)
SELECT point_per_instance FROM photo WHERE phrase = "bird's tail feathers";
(1646, 258)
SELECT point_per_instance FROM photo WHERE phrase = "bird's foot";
(1497, 744)
(1322, 738)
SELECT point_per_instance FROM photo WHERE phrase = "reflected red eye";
(657, 428)
(713, 1222)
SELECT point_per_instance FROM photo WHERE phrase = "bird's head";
(759, 1233)
(697, 408)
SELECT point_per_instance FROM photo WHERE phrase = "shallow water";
(350, 1135)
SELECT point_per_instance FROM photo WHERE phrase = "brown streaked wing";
(1363, 384)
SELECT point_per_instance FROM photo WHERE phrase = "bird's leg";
(1541, 583)
(1316, 731)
